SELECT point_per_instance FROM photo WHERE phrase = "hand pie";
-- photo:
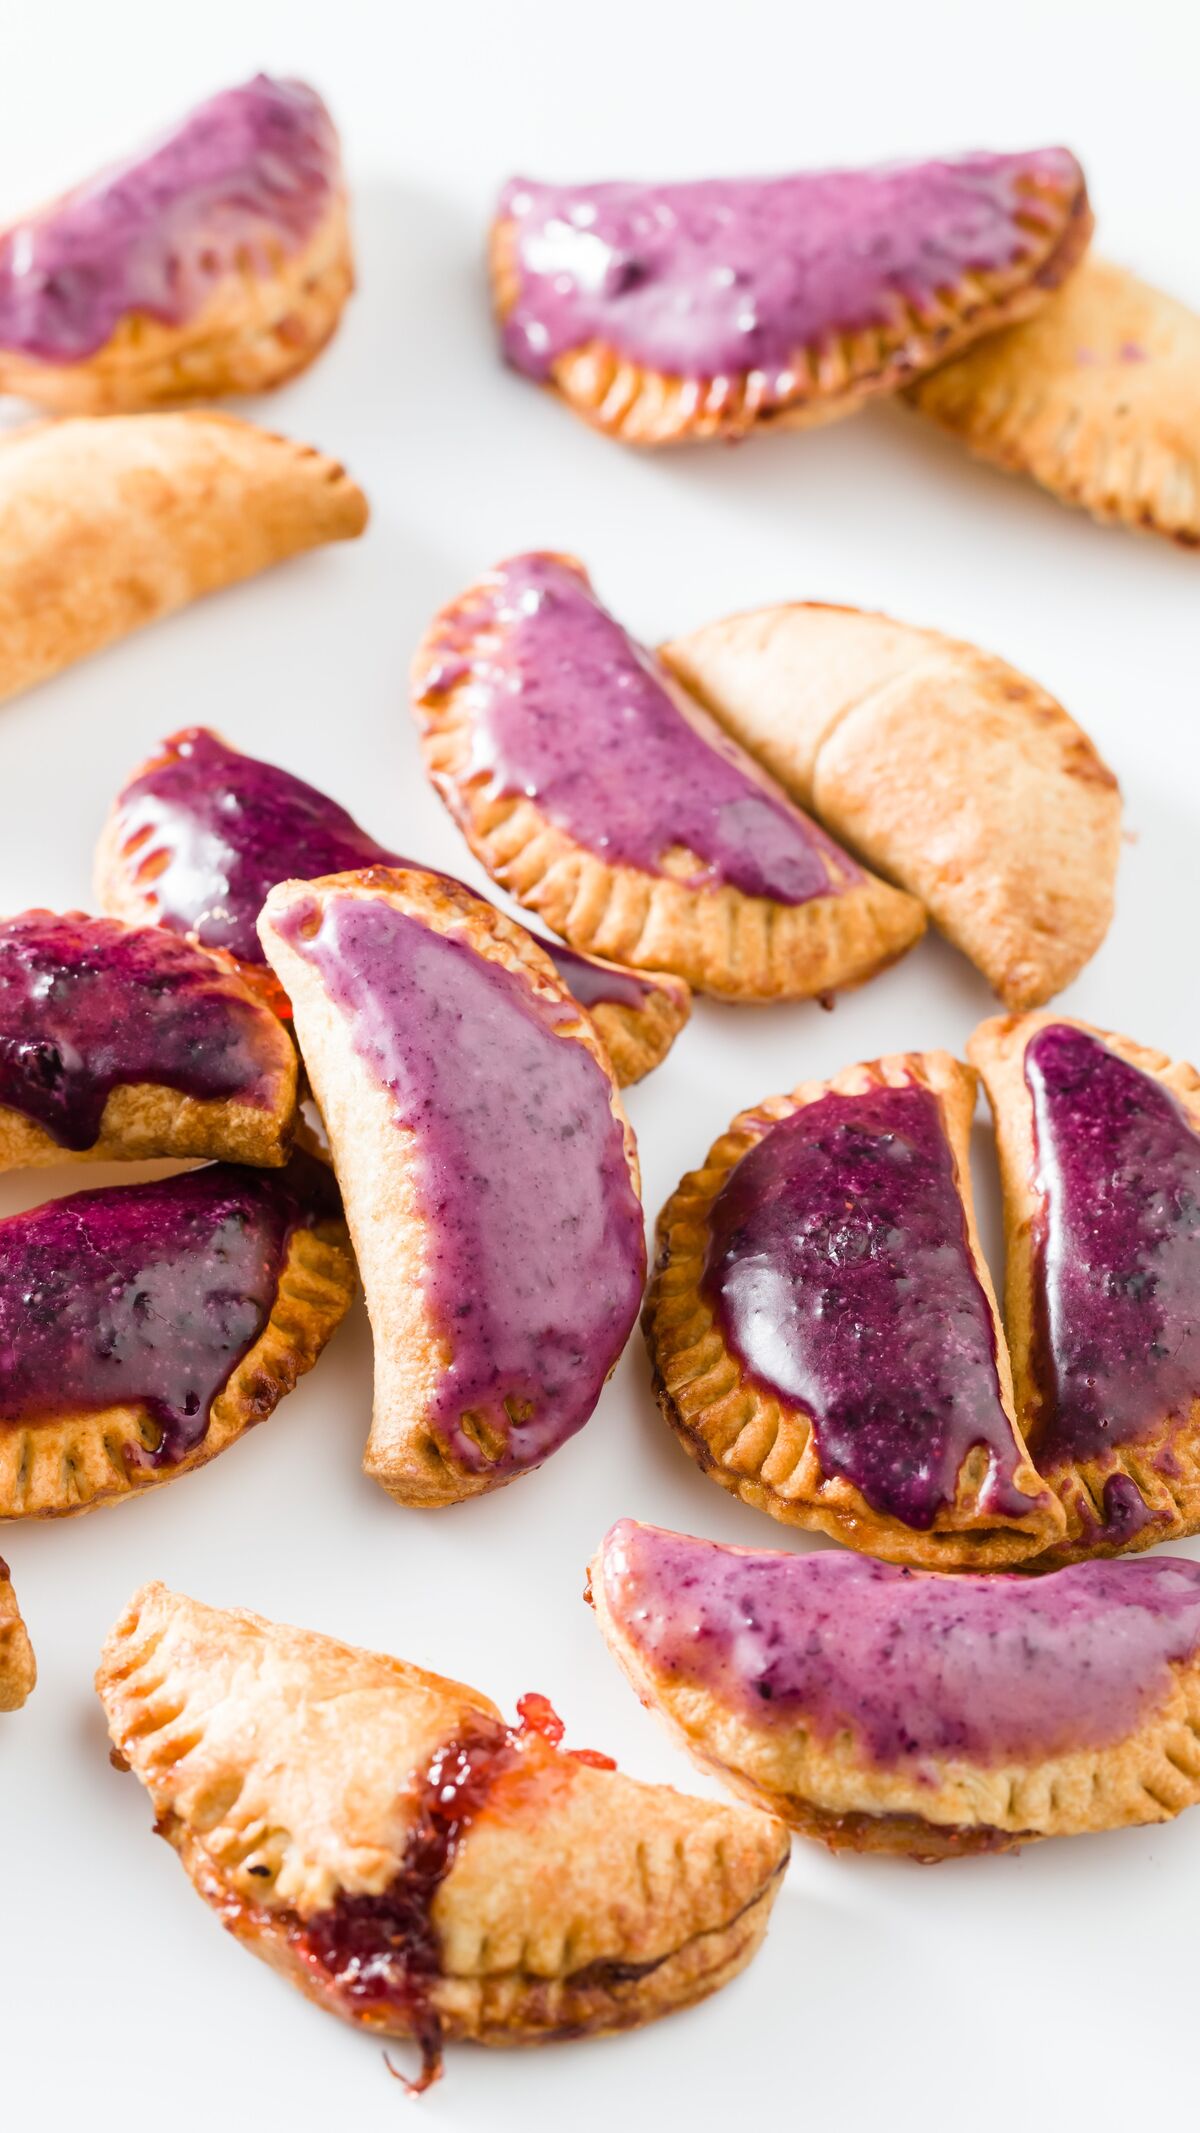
(823, 1329)
(663, 313)
(891, 1710)
(218, 261)
(489, 1173)
(383, 1840)
(1098, 398)
(144, 1327)
(109, 524)
(1100, 1164)
(121, 1041)
(953, 774)
(18, 1668)
(595, 789)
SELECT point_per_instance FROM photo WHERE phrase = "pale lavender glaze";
(911, 1663)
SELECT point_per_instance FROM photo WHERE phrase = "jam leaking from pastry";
(87, 1005)
(839, 1269)
(913, 1664)
(735, 276)
(570, 712)
(245, 175)
(534, 1253)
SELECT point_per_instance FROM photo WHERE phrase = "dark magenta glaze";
(840, 1272)
(728, 276)
(910, 1662)
(87, 1005)
(534, 1249)
(250, 171)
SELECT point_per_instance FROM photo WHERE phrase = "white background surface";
(1060, 1984)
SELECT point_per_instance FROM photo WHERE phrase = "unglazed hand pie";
(594, 788)
(894, 1710)
(1100, 1163)
(201, 834)
(1098, 398)
(144, 1327)
(489, 1173)
(953, 774)
(823, 1329)
(18, 1668)
(122, 1041)
(383, 1840)
(108, 524)
(669, 312)
(218, 261)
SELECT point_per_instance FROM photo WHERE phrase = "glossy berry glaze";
(912, 1664)
(840, 1273)
(534, 1255)
(87, 1006)
(734, 276)
(247, 174)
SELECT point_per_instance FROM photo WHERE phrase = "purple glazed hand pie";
(1100, 1163)
(892, 1710)
(18, 1668)
(144, 1327)
(823, 1329)
(595, 789)
(217, 261)
(489, 1173)
(668, 312)
(381, 1838)
(122, 1041)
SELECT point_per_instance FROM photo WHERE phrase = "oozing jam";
(87, 1005)
(840, 1272)
(244, 176)
(913, 1664)
(534, 1255)
(732, 276)
(569, 711)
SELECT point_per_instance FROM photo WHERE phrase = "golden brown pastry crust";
(718, 940)
(285, 1768)
(763, 1450)
(1098, 398)
(108, 523)
(948, 770)
(637, 1039)
(18, 1668)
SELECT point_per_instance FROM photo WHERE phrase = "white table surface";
(1057, 1985)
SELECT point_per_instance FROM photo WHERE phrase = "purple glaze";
(570, 711)
(729, 276)
(840, 1272)
(87, 1005)
(250, 171)
(534, 1250)
(911, 1663)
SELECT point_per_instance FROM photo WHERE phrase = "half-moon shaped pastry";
(217, 261)
(144, 1327)
(891, 1710)
(1099, 1143)
(122, 1041)
(382, 1839)
(1098, 398)
(823, 1329)
(953, 774)
(110, 523)
(489, 1173)
(201, 834)
(595, 789)
(663, 313)
(18, 1668)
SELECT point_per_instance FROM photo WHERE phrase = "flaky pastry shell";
(18, 1668)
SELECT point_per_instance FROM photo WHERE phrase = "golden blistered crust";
(18, 1668)
(637, 1039)
(287, 1771)
(1098, 398)
(718, 940)
(948, 770)
(108, 523)
(765, 1451)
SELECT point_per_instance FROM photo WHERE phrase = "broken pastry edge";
(687, 1350)
(18, 1667)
